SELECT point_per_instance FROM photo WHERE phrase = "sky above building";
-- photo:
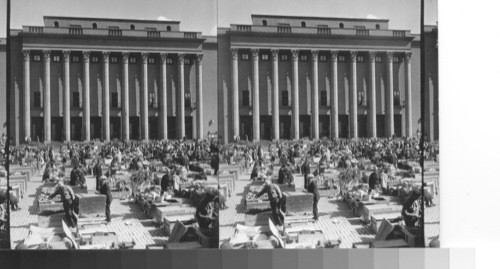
(206, 15)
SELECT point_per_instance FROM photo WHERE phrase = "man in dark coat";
(374, 181)
(274, 194)
(205, 211)
(97, 173)
(306, 170)
(313, 188)
(106, 190)
(67, 198)
(167, 182)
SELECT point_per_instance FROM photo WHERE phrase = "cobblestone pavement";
(431, 214)
(141, 230)
(336, 220)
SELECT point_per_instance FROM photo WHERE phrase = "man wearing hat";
(313, 188)
(67, 198)
(411, 208)
(274, 194)
(205, 211)
(106, 190)
(97, 173)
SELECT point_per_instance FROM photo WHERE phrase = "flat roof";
(313, 17)
(108, 19)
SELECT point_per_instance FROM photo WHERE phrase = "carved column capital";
(86, 56)
(354, 56)
(372, 55)
(407, 57)
(181, 58)
(199, 58)
(46, 55)
(389, 57)
(105, 56)
(125, 57)
(314, 55)
(26, 55)
(255, 54)
(234, 54)
(66, 55)
(275, 54)
(163, 57)
(334, 55)
(295, 54)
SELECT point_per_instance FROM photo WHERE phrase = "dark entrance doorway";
(285, 127)
(362, 126)
(380, 125)
(153, 127)
(343, 126)
(36, 128)
(134, 128)
(305, 126)
(95, 128)
(266, 127)
(56, 128)
(115, 127)
(324, 126)
(76, 128)
(246, 128)
(188, 121)
(171, 128)
(398, 125)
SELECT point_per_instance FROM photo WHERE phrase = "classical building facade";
(291, 77)
(89, 78)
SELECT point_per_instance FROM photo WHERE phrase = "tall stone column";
(408, 102)
(295, 94)
(105, 96)
(47, 126)
(235, 93)
(256, 95)
(389, 94)
(276, 108)
(353, 107)
(125, 98)
(86, 95)
(372, 109)
(27, 95)
(334, 96)
(181, 113)
(67, 98)
(145, 103)
(199, 97)
(163, 109)
(315, 95)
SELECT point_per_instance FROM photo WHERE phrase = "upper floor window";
(75, 59)
(360, 59)
(170, 61)
(114, 100)
(187, 61)
(341, 25)
(284, 57)
(323, 58)
(377, 26)
(284, 98)
(132, 27)
(133, 60)
(324, 98)
(95, 59)
(303, 24)
(396, 59)
(264, 22)
(36, 58)
(76, 99)
(151, 60)
(114, 59)
(187, 100)
(303, 57)
(341, 58)
(245, 56)
(397, 98)
(37, 99)
(56, 58)
(94, 25)
(169, 28)
(56, 24)
(264, 57)
(378, 59)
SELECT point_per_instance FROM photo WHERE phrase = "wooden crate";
(376, 219)
(91, 204)
(369, 210)
(168, 222)
(207, 241)
(297, 202)
(161, 212)
(52, 206)
(230, 181)
(256, 205)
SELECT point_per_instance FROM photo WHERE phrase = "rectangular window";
(151, 60)
(37, 99)
(284, 57)
(36, 58)
(341, 58)
(396, 59)
(114, 59)
(397, 98)
(360, 59)
(133, 60)
(114, 99)
(378, 59)
(284, 98)
(187, 61)
(76, 99)
(95, 59)
(361, 98)
(75, 59)
(170, 61)
(187, 100)
(303, 58)
(56, 58)
(322, 58)
(152, 99)
(264, 57)
(245, 56)
(246, 98)
(324, 98)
